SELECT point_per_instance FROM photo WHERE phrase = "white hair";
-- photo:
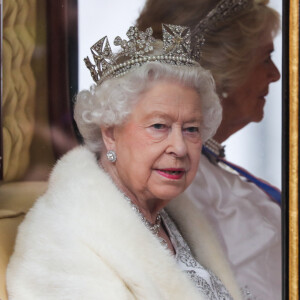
(111, 102)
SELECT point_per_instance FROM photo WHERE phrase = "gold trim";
(293, 150)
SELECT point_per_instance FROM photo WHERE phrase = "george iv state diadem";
(138, 50)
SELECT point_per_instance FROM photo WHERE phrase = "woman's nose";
(177, 144)
(274, 73)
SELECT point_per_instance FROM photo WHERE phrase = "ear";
(108, 136)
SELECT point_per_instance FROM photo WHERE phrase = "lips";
(171, 173)
(264, 94)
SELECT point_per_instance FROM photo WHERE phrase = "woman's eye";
(159, 126)
(192, 129)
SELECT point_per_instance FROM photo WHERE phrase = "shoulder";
(55, 242)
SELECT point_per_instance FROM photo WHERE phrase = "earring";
(111, 156)
(224, 95)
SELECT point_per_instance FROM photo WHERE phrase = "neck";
(149, 207)
(227, 129)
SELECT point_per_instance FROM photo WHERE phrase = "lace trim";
(205, 280)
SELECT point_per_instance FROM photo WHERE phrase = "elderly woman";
(235, 38)
(101, 230)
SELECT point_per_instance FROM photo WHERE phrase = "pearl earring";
(224, 95)
(111, 156)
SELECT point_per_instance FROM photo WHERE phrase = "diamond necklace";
(215, 147)
(154, 228)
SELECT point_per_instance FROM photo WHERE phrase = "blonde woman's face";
(246, 103)
(159, 148)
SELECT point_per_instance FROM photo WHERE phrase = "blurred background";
(257, 147)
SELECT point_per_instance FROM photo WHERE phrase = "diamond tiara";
(138, 50)
(224, 12)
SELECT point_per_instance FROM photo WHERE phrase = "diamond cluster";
(139, 44)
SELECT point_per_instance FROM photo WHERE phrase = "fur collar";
(84, 219)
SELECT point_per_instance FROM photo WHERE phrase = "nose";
(274, 74)
(177, 144)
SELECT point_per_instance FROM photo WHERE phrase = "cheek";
(129, 139)
(195, 154)
(137, 150)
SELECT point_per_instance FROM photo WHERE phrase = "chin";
(258, 118)
(169, 194)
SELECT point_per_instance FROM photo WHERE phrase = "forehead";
(169, 97)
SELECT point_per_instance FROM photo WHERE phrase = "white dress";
(208, 284)
(248, 224)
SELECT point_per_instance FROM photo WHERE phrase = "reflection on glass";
(257, 146)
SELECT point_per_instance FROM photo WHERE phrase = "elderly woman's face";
(246, 103)
(158, 149)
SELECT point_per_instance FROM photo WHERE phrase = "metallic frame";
(293, 151)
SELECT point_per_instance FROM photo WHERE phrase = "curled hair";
(111, 102)
(228, 51)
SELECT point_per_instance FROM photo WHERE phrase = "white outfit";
(206, 281)
(82, 240)
(248, 224)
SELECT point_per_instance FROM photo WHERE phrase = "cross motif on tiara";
(102, 55)
(177, 39)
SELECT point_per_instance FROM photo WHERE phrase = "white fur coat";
(81, 240)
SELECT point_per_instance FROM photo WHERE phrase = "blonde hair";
(229, 51)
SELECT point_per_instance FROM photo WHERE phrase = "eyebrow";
(159, 114)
